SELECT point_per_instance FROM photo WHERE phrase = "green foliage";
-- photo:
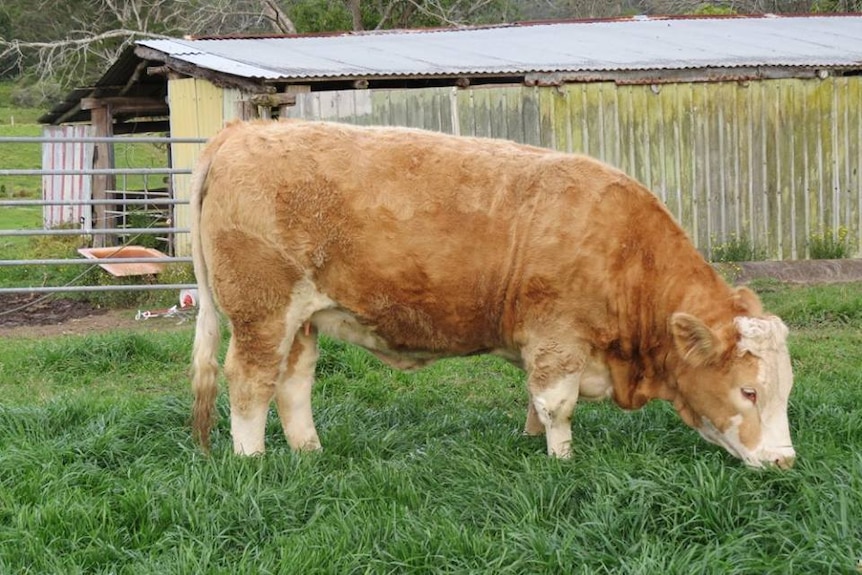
(829, 6)
(715, 9)
(146, 220)
(36, 94)
(736, 249)
(320, 16)
(829, 245)
(420, 473)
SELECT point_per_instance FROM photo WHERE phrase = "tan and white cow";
(418, 246)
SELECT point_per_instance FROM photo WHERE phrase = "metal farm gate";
(82, 197)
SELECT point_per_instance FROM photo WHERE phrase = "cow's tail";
(207, 334)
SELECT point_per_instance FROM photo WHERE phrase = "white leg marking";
(293, 394)
(247, 429)
(554, 406)
(250, 391)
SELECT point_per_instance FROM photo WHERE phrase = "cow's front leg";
(554, 405)
(293, 392)
(533, 425)
(553, 378)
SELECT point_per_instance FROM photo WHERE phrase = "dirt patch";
(31, 309)
(801, 272)
(30, 315)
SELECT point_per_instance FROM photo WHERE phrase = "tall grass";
(420, 473)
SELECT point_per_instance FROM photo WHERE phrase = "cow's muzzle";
(780, 457)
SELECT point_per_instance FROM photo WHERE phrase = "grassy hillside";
(11, 114)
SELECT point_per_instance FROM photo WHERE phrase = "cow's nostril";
(785, 462)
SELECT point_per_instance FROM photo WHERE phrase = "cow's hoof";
(310, 444)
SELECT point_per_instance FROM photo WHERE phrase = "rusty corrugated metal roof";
(634, 44)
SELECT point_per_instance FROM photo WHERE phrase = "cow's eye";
(750, 394)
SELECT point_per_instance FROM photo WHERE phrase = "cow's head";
(733, 386)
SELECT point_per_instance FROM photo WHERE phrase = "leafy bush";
(36, 95)
(708, 9)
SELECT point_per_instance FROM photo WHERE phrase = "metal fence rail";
(94, 288)
(95, 232)
(118, 206)
(66, 262)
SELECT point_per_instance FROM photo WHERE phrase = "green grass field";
(420, 473)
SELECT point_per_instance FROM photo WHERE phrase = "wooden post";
(294, 89)
(245, 110)
(103, 158)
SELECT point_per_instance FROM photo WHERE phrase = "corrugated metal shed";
(636, 44)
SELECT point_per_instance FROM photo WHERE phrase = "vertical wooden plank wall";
(774, 161)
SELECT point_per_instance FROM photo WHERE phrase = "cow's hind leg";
(255, 358)
(293, 391)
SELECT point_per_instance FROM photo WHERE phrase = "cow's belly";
(343, 325)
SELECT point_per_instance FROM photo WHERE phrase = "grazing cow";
(418, 246)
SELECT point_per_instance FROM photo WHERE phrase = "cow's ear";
(695, 342)
(746, 302)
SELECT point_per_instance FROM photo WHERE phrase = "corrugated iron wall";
(66, 156)
(770, 161)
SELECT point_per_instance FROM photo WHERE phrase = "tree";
(75, 48)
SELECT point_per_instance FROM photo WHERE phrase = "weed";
(829, 245)
(737, 248)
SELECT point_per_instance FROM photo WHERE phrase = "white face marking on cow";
(729, 439)
(762, 403)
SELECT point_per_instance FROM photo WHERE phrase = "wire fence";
(129, 216)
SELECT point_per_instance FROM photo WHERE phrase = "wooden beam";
(127, 105)
(103, 157)
(147, 127)
(219, 79)
(273, 100)
(133, 79)
(68, 114)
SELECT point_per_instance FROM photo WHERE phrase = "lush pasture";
(420, 473)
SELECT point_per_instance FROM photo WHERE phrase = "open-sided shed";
(747, 127)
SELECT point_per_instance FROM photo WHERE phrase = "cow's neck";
(642, 358)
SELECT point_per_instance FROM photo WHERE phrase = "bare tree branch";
(277, 18)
